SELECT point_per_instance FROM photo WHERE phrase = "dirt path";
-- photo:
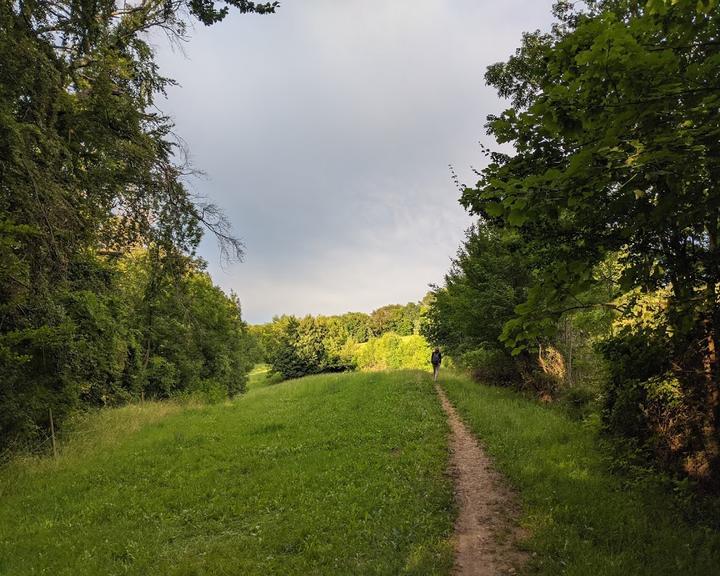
(486, 530)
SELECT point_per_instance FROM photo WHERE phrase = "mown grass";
(583, 519)
(337, 474)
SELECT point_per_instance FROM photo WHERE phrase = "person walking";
(435, 360)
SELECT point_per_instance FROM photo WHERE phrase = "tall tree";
(488, 279)
(88, 169)
(614, 122)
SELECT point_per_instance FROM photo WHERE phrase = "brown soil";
(486, 530)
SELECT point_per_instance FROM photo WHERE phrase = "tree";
(488, 279)
(614, 122)
(89, 171)
(357, 325)
(297, 349)
(385, 319)
(401, 319)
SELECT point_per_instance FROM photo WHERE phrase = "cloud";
(326, 131)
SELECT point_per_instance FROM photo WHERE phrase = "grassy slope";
(334, 474)
(584, 520)
(260, 377)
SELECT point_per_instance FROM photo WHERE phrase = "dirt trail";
(486, 530)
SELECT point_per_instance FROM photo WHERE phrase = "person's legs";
(436, 371)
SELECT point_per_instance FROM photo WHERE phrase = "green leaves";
(517, 217)
(633, 174)
(88, 174)
(616, 152)
(474, 310)
(662, 7)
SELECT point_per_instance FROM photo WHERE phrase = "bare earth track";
(486, 530)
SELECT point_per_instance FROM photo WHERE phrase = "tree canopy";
(614, 124)
(90, 171)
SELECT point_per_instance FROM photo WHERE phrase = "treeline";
(594, 268)
(100, 298)
(388, 338)
(122, 329)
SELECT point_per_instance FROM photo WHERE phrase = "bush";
(649, 403)
(492, 366)
(393, 352)
(577, 402)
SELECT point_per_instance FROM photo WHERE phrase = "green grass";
(583, 519)
(260, 377)
(334, 474)
(337, 474)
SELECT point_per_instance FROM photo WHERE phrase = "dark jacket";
(436, 358)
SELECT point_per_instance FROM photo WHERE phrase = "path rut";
(486, 530)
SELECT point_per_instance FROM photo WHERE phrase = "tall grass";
(261, 376)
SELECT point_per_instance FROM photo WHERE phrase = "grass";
(583, 519)
(334, 474)
(337, 474)
(260, 377)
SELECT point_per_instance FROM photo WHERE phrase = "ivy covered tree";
(614, 122)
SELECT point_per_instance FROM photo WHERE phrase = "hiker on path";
(435, 360)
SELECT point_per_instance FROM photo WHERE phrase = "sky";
(325, 132)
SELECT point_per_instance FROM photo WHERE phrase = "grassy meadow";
(331, 474)
(584, 520)
(336, 474)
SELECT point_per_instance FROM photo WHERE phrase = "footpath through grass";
(338, 474)
(583, 520)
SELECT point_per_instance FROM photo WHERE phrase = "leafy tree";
(298, 347)
(398, 318)
(386, 319)
(393, 352)
(89, 171)
(614, 122)
(336, 342)
(409, 321)
(358, 325)
(284, 355)
(488, 279)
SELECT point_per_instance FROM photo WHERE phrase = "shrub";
(649, 402)
(577, 402)
(493, 366)
(393, 352)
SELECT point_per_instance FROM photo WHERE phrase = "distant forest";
(388, 338)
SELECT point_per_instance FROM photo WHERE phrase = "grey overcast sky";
(326, 131)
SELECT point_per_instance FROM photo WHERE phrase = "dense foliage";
(128, 334)
(386, 338)
(89, 171)
(487, 285)
(488, 279)
(614, 123)
(393, 352)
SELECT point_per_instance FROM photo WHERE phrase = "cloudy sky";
(325, 132)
